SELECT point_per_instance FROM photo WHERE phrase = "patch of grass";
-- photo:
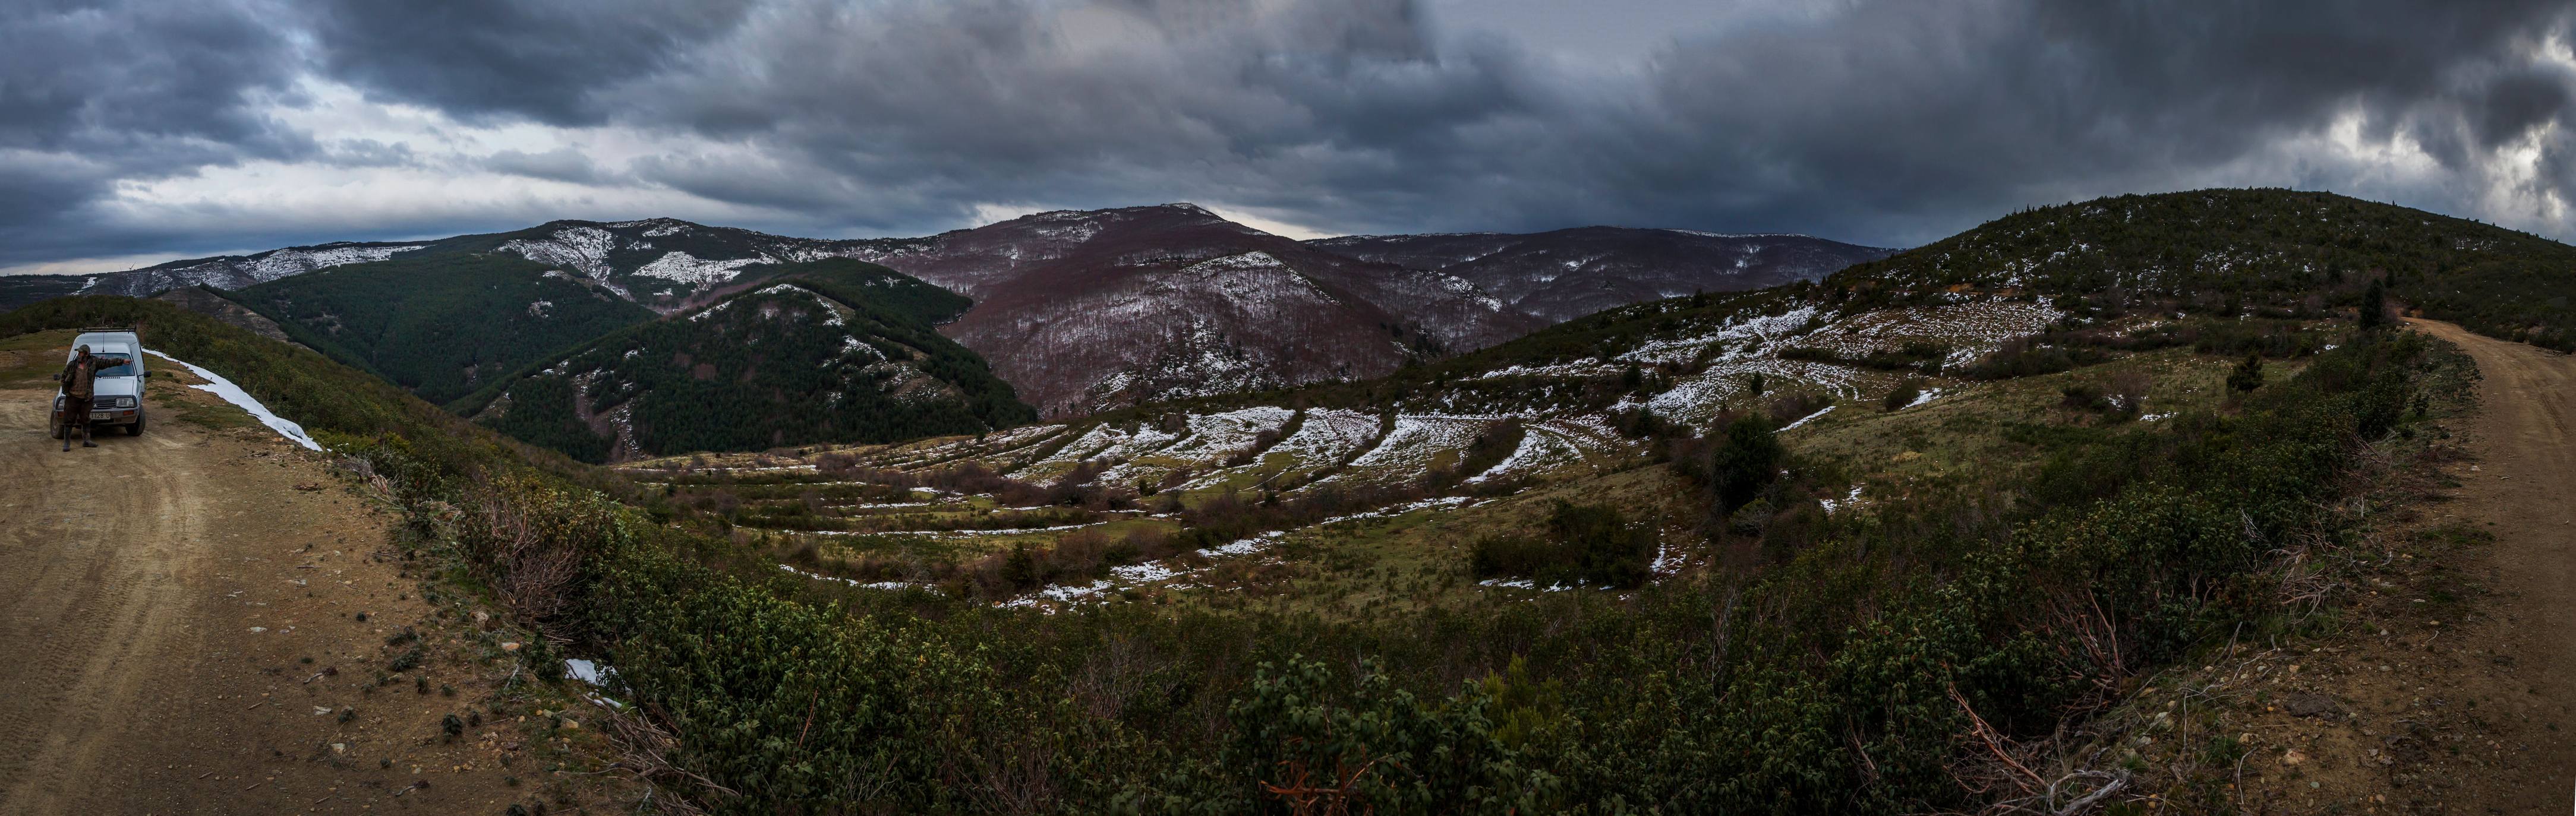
(31, 360)
(220, 416)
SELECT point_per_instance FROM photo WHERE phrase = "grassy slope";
(2257, 248)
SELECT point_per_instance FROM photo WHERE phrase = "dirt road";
(196, 620)
(2524, 490)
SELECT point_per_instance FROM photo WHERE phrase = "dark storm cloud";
(1891, 122)
(1879, 121)
(541, 60)
(954, 104)
(1887, 117)
(92, 93)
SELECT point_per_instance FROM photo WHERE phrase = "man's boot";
(85, 438)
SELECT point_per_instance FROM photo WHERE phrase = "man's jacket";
(79, 379)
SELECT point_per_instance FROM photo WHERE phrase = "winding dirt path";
(181, 631)
(2525, 485)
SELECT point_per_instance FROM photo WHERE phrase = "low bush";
(1904, 394)
(2023, 358)
(1585, 544)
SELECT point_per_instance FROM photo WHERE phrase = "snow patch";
(1832, 505)
(890, 586)
(690, 269)
(583, 248)
(1803, 420)
(290, 262)
(220, 387)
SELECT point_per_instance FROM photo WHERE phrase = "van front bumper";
(119, 416)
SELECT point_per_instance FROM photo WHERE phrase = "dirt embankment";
(202, 619)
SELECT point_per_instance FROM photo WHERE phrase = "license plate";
(98, 414)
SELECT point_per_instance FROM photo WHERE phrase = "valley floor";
(197, 620)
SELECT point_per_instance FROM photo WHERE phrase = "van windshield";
(115, 365)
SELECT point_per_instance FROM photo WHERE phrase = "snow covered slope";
(237, 271)
(663, 263)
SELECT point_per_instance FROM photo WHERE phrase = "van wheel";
(55, 427)
(135, 429)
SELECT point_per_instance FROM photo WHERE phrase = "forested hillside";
(441, 325)
(829, 351)
(21, 290)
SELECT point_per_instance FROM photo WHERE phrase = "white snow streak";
(217, 385)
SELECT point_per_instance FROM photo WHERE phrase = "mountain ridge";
(1559, 275)
(1081, 310)
(1088, 310)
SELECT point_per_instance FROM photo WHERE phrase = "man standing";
(79, 378)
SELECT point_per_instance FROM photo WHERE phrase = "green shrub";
(2248, 375)
(1310, 744)
(1745, 459)
(1904, 394)
(1585, 543)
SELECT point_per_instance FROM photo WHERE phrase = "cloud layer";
(134, 128)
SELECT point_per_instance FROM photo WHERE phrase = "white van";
(117, 393)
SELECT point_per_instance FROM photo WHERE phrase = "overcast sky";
(134, 132)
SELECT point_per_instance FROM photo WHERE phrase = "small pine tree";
(1747, 458)
(1753, 383)
(2248, 375)
(2374, 306)
(1021, 568)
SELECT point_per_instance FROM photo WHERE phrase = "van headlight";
(124, 402)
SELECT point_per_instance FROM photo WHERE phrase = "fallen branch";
(1986, 734)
